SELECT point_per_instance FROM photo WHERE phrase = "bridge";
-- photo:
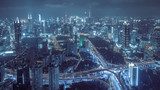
(111, 70)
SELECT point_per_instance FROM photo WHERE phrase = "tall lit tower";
(30, 24)
(126, 36)
(66, 17)
(133, 75)
(39, 17)
(89, 14)
(133, 37)
(17, 26)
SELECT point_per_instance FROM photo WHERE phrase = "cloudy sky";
(48, 8)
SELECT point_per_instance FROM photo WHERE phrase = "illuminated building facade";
(53, 77)
(30, 23)
(133, 74)
(133, 37)
(17, 26)
(126, 37)
(37, 73)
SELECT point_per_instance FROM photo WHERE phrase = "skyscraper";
(133, 39)
(2, 73)
(17, 26)
(89, 14)
(120, 35)
(23, 78)
(39, 17)
(30, 23)
(53, 73)
(66, 17)
(133, 75)
(23, 75)
(156, 38)
(75, 45)
(126, 36)
(37, 73)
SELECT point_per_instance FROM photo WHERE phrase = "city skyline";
(79, 45)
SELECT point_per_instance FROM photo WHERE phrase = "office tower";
(89, 14)
(17, 26)
(39, 17)
(1, 45)
(23, 75)
(58, 20)
(36, 29)
(66, 17)
(110, 32)
(85, 14)
(133, 37)
(155, 37)
(126, 36)
(44, 26)
(44, 47)
(53, 74)
(59, 30)
(74, 30)
(37, 73)
(120, 37)
(82, 38)
(30, 23)
(2, 72)
(133, 75)
(115, 35)
(45, 44)
(75, 45)
(23, 78)
(69, 47)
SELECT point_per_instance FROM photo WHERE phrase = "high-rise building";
(45, 46)
(126, 36)
(66, 17)
(23, 78)
(120, 35)
(75, 45)
(30, 23)
(17, 26)
(89, 14)
(155, 37)
(39, 17)
(37, 30)
(53, 73)
(2, 72)
(133, 37)
(23, 75)
(133, 75)
(115, 35)
(37, 73)
(69, 47)
(44, 26)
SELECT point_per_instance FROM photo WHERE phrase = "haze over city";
(49, 8)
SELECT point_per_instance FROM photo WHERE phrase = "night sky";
(48, 8)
